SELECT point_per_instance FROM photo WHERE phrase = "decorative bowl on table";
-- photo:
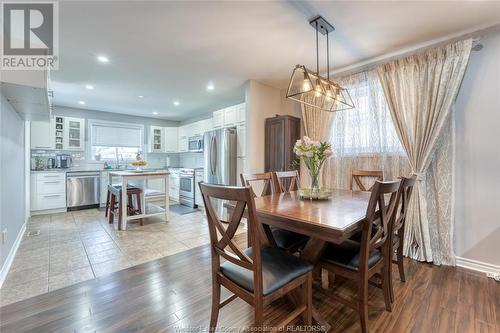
(138, 164)
(315, 193)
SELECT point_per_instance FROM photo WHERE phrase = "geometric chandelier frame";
(310, 88)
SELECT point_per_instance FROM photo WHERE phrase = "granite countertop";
(92, 170)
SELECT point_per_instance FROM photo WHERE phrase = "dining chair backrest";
(221, 237)
(286, 181)
(379, 215)
(357, 175)
(265, 178)
(405, 189)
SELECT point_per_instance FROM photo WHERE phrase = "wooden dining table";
(333, 220)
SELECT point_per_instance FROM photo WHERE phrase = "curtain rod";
(372, 63)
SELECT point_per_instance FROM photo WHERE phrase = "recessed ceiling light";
(81, 102)
(210, 86)
(102, 59)
(155, 113)
(177, 103)
(140, 96)
(89, 87)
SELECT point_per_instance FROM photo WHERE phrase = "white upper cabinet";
(230, 116)
(156, 139)
(74, 133)
(171, 139)
(218, 119)
(60, 133)
(42, 135)
(183, 138)
(241, 113)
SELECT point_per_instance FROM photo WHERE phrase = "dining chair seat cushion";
(288, 239)
(347, 255)
(116, 189)
(278, 269)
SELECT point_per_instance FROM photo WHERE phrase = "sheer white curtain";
(364, 137)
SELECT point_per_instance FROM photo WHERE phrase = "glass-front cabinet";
(59, 132)
(74, 133)
(157, 139)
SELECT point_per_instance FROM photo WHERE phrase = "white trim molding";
(478, 266)
(12, 254)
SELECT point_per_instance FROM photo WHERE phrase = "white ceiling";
(168, 50)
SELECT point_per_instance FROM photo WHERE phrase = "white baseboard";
(478, 266)
(12, 254)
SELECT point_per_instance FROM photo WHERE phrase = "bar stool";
(115, 192)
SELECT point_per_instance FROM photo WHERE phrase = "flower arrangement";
(314, 154)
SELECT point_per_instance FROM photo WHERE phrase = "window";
(112, 140)
(368, 128)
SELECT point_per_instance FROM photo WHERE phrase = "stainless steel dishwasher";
(82, 189)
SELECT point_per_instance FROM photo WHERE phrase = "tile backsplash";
(186, 160)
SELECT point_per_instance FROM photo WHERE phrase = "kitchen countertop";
(92, 170)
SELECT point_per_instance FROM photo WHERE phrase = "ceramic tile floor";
(76, 246)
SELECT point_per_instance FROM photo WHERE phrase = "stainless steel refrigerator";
(219, 149)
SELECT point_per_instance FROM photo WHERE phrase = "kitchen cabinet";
(198, 177)
(74, 133)
(206, 125)
(171, 139)
(174, 184)
(42, 135)
(157, 185)
(241, 135)
(230, 116)
(104, 187)
(241, 114)
(48, 191)
(183, 138)
(156, 139)
(218, 118)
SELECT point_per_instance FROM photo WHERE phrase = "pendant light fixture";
(310, 88)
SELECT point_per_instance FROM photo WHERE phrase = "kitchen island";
(135, 176)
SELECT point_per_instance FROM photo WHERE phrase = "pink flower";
(328, 152)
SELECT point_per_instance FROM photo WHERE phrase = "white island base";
(133, 176)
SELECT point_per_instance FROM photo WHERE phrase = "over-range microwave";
(195, 144)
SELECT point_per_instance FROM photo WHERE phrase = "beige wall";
(477, 205)
(262, 102)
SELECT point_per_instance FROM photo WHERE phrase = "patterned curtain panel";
(317, 126)
(364, 138)
(420, 91)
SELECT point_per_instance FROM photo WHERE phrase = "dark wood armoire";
(281, 134)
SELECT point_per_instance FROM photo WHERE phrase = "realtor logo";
(30, 35)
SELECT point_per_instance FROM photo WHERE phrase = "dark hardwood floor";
(174, 292)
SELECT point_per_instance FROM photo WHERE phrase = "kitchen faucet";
(118, 158)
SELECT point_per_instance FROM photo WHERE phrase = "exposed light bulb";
(306, 86)
(317, 90)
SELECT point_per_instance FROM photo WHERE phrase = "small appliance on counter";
(63, 161)
(51, 163)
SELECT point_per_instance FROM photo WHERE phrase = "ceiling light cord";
(317, 50)
(327, 58)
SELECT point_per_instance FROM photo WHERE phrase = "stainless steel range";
(186, 188)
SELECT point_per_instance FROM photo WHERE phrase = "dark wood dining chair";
(372, 256)
(258, 274)
(286, 181)
(288, 240)
(405, 191)
(264, 178)
(357, 175)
